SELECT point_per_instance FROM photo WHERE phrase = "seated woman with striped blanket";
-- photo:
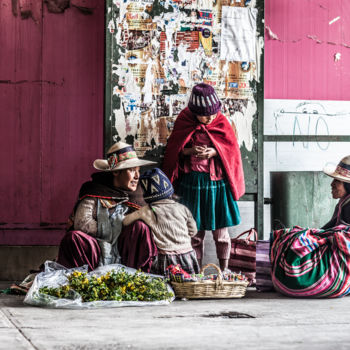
(316, 262)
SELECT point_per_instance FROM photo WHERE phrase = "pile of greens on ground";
(119, 286)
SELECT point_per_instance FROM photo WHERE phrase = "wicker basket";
(210, 289)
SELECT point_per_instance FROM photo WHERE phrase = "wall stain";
(10, 82)
(32, 10)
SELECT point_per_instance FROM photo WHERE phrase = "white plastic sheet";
(56, 275)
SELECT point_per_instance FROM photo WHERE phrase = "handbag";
(243, 255)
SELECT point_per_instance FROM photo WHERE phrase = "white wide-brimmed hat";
(120, 156)
(340, 172)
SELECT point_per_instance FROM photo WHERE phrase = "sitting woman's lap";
(135, 245)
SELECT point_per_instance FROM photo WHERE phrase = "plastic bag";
(56, 275)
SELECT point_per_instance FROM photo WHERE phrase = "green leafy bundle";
(119, 286)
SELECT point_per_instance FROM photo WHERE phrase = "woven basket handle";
(251, 232)
(219, 279)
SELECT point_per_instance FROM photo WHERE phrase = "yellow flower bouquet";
(108, 286)
(119, 286)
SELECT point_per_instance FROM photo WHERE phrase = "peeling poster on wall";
(238, 30)
(159, 51)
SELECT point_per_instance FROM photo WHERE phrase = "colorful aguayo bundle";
(310, 262)
(118, 286)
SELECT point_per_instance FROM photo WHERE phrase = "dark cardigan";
(341, 215)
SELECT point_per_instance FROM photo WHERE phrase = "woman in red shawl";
(203, 161)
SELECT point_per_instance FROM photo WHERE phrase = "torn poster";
(238, 28)
(158, 51)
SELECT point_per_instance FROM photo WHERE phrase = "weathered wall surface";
(306, 108)
(51, 126)
(156, 51)
(307, 49)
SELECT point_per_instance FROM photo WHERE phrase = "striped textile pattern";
(311, 262)
(263, 266)
(242, 257)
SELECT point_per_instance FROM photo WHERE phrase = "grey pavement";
(277, 322)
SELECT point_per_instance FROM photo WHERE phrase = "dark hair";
(347, 187)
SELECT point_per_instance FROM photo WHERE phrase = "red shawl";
(224, 140)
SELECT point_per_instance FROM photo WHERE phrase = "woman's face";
(338, 189)
(127, 179)
(206, 119)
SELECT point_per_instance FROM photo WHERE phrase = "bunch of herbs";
(119, 286)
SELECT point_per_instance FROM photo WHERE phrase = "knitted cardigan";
(341, 215)
(171, 223)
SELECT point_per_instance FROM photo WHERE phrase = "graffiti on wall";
(161, 49)
(307, 118)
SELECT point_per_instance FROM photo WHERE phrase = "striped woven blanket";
(311, 262)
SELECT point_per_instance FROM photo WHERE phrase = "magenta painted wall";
(299, 63)
(51, 126)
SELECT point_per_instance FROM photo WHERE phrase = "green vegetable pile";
(119, 286)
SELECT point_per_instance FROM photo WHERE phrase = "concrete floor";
(278, 323)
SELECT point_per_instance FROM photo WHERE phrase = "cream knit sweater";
(172, 226)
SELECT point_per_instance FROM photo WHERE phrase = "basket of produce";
(220, 285)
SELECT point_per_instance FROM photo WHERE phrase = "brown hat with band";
(341, 172)
(120, 156)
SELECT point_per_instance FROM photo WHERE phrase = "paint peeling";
(160, 50)
(334, 20)
(259, 51)
(337, 57)
(243, 119)
(315, 38)
(271, 34)
(274, 36)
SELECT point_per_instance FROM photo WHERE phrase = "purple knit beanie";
(203, 100)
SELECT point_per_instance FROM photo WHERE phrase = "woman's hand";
(200, 152)
(189, 151)
(207, 153)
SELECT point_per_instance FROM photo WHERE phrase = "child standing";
(171, 223)
(203, 161)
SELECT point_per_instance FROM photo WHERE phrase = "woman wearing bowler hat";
(95, 235)
(340, 189)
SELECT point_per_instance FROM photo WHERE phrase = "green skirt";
(211, 202)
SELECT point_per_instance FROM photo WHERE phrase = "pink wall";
(51, 125)
(297, 67)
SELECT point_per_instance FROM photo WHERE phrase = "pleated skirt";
(211, 202)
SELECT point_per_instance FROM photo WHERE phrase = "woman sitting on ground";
(309, 262)
(340, 190)
(171, 223)
(95, 236)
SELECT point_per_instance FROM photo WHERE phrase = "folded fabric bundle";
(263, 266)
(311, 262)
